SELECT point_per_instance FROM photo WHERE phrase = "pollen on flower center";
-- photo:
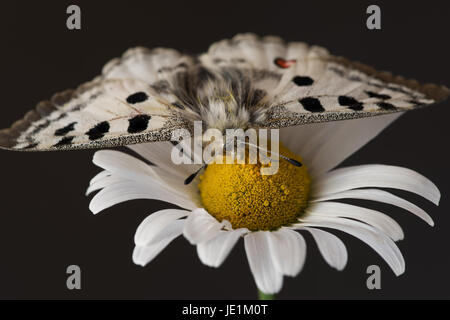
(240, 194)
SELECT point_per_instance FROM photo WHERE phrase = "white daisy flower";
(229, 202)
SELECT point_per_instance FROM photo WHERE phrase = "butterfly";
(244, 82)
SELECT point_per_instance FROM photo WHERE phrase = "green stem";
(265, 296)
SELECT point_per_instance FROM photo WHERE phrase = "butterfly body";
(245, 82)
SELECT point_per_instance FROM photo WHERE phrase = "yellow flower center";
(240, 194)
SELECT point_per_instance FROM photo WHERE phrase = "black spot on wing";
(350, 102)
(311, 104)
(302, 81)
(65, 130)
(61, 116)
(377, 95)
(138, 123)
(64, 141)
(41, 127)
(98, 131)
(416, 103)
(30, 146)
(137, 97)
(78, 107)
(386, 106)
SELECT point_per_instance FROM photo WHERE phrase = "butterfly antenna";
(192, 176)
(289, 160)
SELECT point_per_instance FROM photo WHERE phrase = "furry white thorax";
(224, 114)
(221, 106)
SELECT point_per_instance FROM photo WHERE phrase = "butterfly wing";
(305, 84)
(146, 94)
(129, 103)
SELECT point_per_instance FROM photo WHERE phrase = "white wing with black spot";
(305, 84)
(156, 67)
(107, 113)
(246, 81)
(129, 103)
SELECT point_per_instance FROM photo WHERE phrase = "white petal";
(159, 153)
(201, 227)
(103, 182)
(155, 223)
(142, 255)
(375, 175)
(374, 218)
(131, 190)
(268, 279)
(172, 231)
(324, 145)
(214, 252)
(99, 176)
(130, 168)
(331, 247)
(288, 249)
(378, 241)
(123, 165)
(380, 196)
(177, 186)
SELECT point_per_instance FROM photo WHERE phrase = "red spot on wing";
(284, 64)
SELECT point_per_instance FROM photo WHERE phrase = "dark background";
(45, 222)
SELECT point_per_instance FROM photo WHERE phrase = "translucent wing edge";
(279, 116)
(8, 136)
(132, 52)
(438, 93)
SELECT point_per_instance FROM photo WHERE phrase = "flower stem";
(265, 296)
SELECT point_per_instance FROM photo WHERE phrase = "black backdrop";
(45, 222)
